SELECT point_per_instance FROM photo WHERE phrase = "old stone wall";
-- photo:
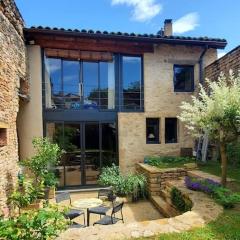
(230, 61)
(160, 101)
(12, 70)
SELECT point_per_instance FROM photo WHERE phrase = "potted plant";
(50, 182)
(41, 164)
(27, 196)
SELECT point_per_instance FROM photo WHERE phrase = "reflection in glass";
(90, 83)
(109, 155)
(92, 153)
(131, 74)
(107, 85)
(53, 85)
(71, 78)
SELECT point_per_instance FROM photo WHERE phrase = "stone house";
(104, 97)
(109, 97)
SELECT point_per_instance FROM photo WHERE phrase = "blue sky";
(212, 18)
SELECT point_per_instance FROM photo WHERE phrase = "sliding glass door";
(87, 147)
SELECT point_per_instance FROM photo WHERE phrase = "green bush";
(167, 161)
(182, 204)
(233, 153)
(26, 194)
(43, 224)
(130, 184)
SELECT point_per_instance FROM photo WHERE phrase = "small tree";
(216, 111)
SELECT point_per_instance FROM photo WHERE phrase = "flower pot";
(35, 205)
(49, 193)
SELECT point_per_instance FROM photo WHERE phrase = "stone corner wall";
(12, 70)
(230, 61)
(157, 178)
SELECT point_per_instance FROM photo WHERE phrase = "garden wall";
(12, 74)
(157, 178)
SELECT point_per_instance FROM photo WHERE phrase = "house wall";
(160, 101)
(30, 121)
(12, 72)
(230, 61)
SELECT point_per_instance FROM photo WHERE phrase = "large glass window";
(183, 78)
(79, 84)
(132, 81)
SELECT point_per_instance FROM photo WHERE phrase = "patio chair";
(72, 213)
(107, 220)
(101, 210)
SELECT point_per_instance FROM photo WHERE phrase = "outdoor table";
(86, 204)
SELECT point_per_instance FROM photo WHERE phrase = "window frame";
(177, 131)
(191, 67)
(158, 141)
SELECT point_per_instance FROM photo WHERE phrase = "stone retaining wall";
(157, 178)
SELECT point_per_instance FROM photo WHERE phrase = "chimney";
(168, 27)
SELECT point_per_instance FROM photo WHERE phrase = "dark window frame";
(158, 121)
(191, 67)
(176, 133)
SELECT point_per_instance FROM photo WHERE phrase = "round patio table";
(86, 204)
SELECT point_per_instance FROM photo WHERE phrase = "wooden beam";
(89, 44)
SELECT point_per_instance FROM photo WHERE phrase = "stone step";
(163, 207)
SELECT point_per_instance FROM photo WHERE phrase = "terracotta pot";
(36, 205)
(49, 192)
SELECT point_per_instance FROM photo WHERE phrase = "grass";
(226, 227)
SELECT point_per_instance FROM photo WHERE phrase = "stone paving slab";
(204, 210)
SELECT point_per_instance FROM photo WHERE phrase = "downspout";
(200, 62)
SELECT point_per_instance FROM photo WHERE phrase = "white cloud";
(221, 54)
(143, 10)
(186, 23)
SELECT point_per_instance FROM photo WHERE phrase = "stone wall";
(157, 178)
(160, 101)
(12, 70)
(229, 61)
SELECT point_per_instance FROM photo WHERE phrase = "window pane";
(53, 85)
(90, 83)
(131, 74)
(171, 130)
(107, 85)
(109, 155)
(183, 78)
(71, 75)
(152, 130)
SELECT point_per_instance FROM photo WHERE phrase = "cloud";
(186, 23)
(221, 54)
(143, 10)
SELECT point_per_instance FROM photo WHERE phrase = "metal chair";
(72, 213)
(101, 210)
(107, 220)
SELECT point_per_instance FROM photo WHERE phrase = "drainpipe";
(200, 62)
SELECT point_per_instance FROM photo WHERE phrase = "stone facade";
(229, 61)
(160, 101)
(12, 72)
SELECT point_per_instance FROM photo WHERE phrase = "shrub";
(131, 184)
(221, 195)
(43, 224)
(167, 161)
(182, 204)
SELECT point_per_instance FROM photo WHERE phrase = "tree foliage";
(216, 111)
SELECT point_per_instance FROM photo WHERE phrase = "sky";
(212, 18)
